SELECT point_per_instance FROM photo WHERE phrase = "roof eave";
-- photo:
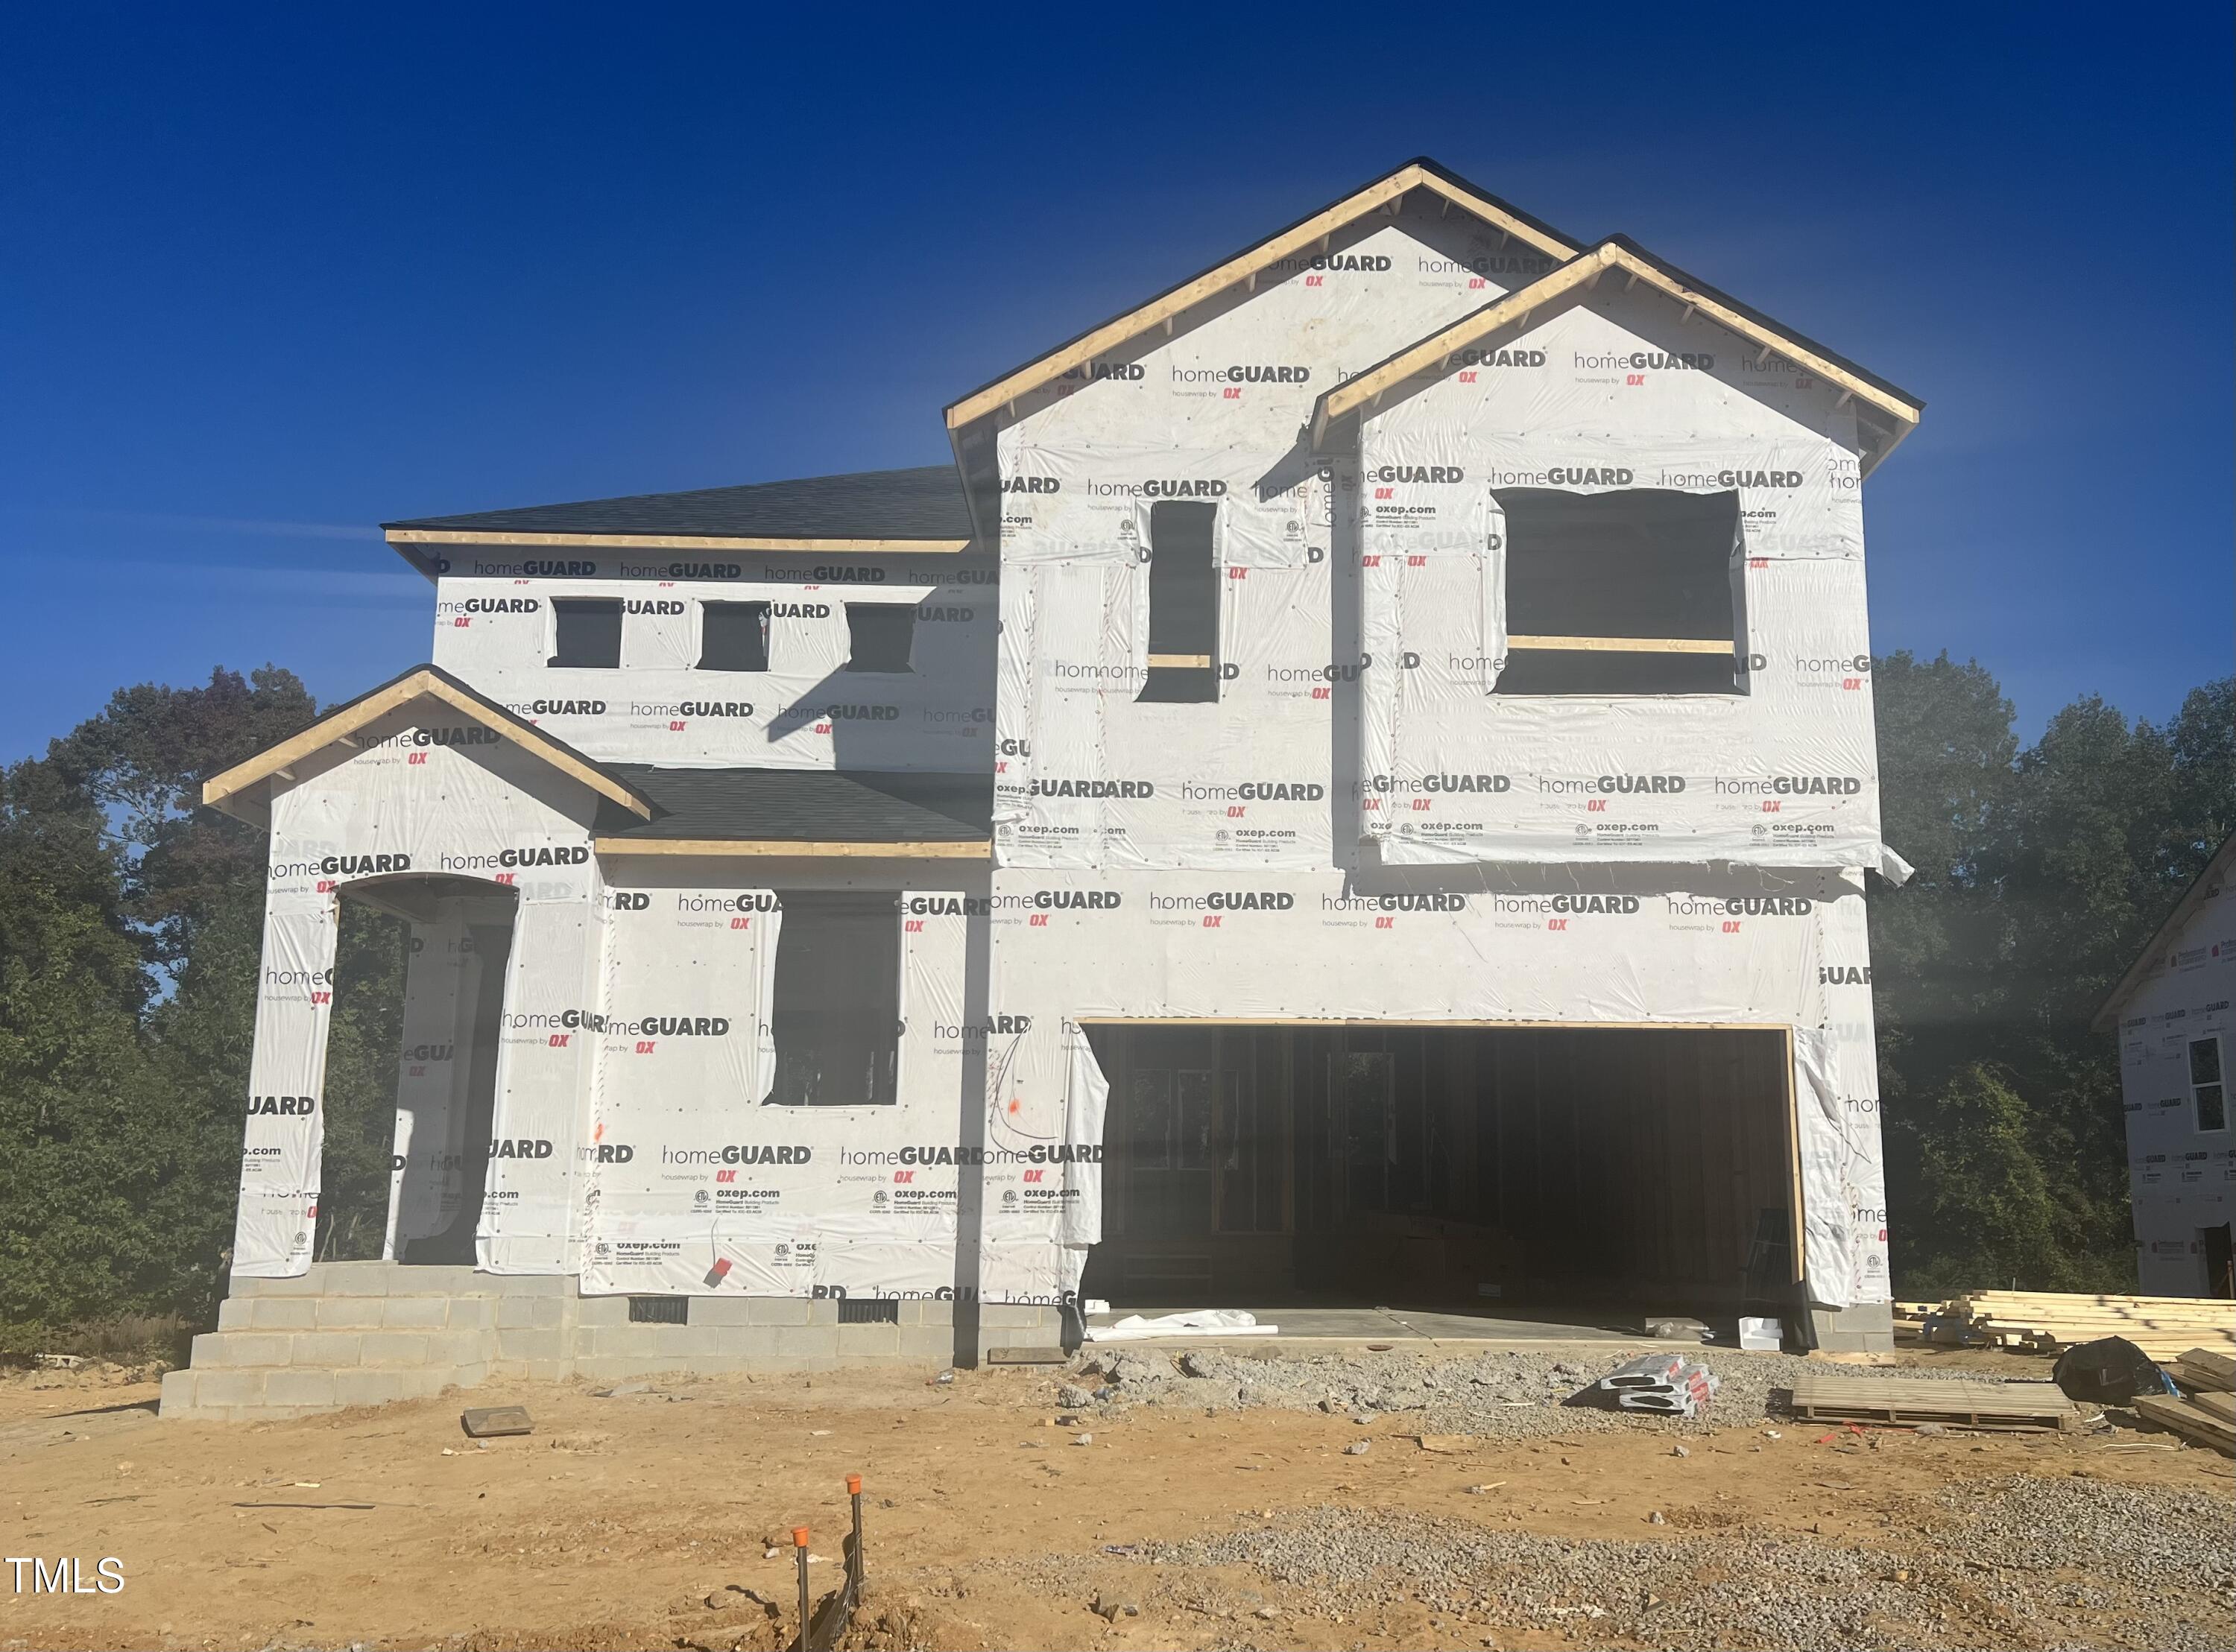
(2202, 888)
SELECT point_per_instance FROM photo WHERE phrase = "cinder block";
(423, 1382)
(516, 1313)
(233, 1314)
(349, 1313)
(178, 1392)
(549, 1370)
(329, 1350)
(470, 1313)
(1013, 1316)
(367, 1387)
(363, 1278)
(617, 1367)
(222, 1388)
(722, 1310)
(815, 1342)
(684, 1339)
(291, 1285)
(869, 1341)
(282, 1313)
(535, 1285)
(550, 1312)
(470, 1376)
(393, 1348)
(514, 1346)
(300, 1388)
(939, 1311)
(234, 1348)
(603, 1310)
(934, 1342)
(457, 1348)
(784, 1310)
(415, 1312)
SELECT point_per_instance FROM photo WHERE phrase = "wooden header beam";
(1312, 234)
(1623, 644)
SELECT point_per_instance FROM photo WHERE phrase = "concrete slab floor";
(1318, 1324)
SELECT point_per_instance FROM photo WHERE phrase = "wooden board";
(2190, 1421)
(2033, 1407)
(2221, 1405)
(2202, 1368)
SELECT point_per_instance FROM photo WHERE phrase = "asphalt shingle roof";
(924, 503)
(805, 805)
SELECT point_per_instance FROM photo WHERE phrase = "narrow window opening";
(660, 1310)
(733, 636)
(1183, 664)
(589, 632)
(835, 1015)
(1627, 592)
(879, 635)
(2205, 1088)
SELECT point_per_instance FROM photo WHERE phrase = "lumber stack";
(1907, 1402)
(2202, 1372)
(2203, 1420)
(2045, 1322)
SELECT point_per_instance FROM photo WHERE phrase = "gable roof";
(1898, 412)
(2207, 884)
(918, 509)
(232, 791)
(1383, 192)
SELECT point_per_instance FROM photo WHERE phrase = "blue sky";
(270, 277)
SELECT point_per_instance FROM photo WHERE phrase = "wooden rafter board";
(2190, 1420)
(2202, 1368)
(1953, 1402)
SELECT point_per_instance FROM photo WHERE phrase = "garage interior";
(1595, 1173)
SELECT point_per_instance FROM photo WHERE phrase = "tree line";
(131, 925)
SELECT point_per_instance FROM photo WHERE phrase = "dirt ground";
(641, 1519)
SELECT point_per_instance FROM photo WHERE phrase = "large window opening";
(733, 636)
(1183, 663)
(1627, 592)
(836, 1018)
(589, 632)
(880, 636)
(1564, 1174)
(2206, 1094)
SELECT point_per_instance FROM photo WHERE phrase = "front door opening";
(1482, 1169)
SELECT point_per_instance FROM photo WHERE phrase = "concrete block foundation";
(364, 1333)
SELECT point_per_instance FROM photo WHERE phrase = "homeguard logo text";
(464, 734)
(609, 1153)
(1844, 974)
(558, 570)
(646, 605)
(681, 570)
(577, 856)
(1793, 786)
(1256, 791)
(430, 1052)
(501, 605)
(845, 575)
(360, 865)
(1162, 487)
(1443, 783)
(715, 708)
(1393, 903)
(799, 610)
(1771, 906)
(1647, 361)
(1092, 789)
(1626, 783)
(1420, 472)
(1501, 358)
(1031, 485)
(1375, 261)
(838, 713)
(1066, 900)
(1729, 479)
(1265, 374)
(282, 1106)
(1225, 901)
(763, 902)
(565, 708)
(519, 1147)
(947, 906)
(684, 1027)
(1096, 371)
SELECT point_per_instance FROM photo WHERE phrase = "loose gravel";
(1506, 1395)
(2159, 1561)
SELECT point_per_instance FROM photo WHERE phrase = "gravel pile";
(2146, 1537)
(1508, 1394)
(1352, 1563)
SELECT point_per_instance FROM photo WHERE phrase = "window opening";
(2206, 1090)
(733, 636)
(589, 632)
(1183, 664)
(836, 1015)
(1627, 592)
(879, 635)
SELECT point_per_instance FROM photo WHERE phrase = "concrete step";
(368, 1279)
(339, 1349)
(261, 1395)
(416, 1312)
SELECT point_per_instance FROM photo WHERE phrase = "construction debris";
(1662, 1383)
(2191, 1420)
(2023, 1408)
(2202, 1371)
(493, 1422)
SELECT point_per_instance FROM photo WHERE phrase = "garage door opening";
(1519, 1171)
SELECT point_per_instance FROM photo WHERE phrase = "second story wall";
(756, 663)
